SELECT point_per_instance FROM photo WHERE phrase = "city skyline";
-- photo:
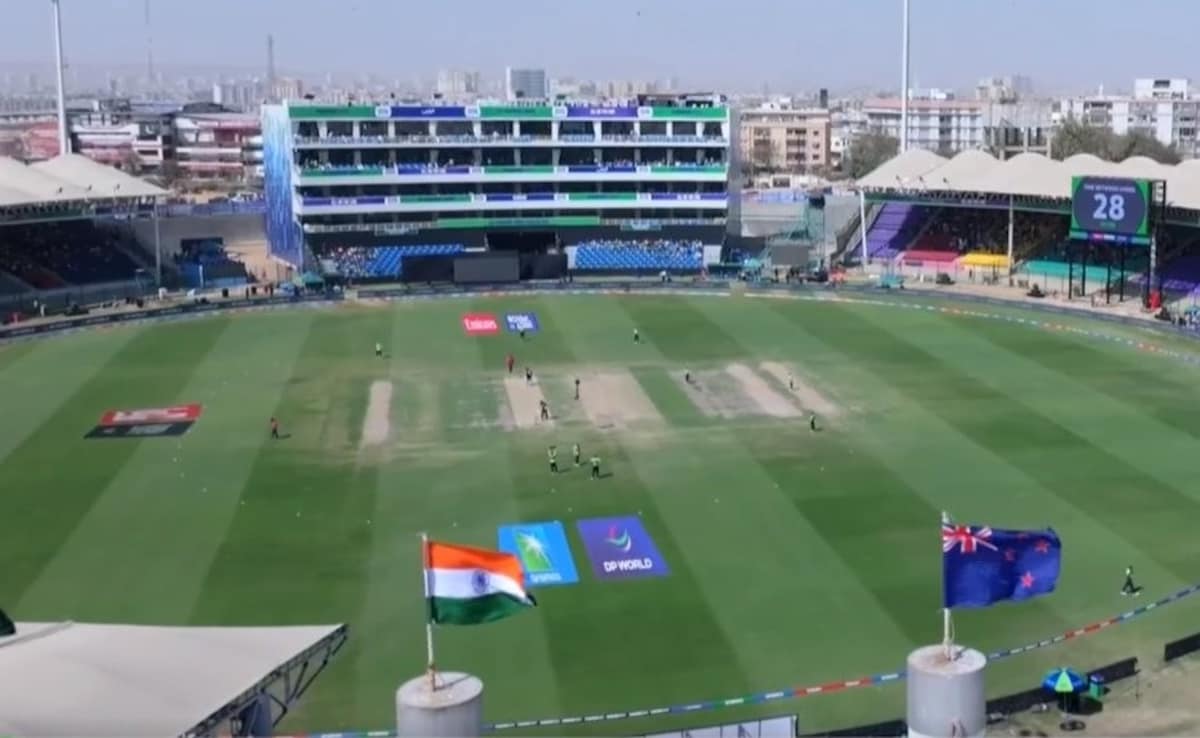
(700, 43)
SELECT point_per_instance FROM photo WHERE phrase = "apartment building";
(779, 138)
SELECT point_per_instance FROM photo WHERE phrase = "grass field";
(796, 557)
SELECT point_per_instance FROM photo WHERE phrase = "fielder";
(552, 453)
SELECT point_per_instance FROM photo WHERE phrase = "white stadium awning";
(133, 680)
(1026, 175)
(67, 178)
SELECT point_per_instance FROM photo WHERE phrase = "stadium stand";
(639, 255)
(897, 225)
(205, 263)
(50, 255)
(380, 262)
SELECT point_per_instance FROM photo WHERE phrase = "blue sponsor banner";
(427, 111)
(587, 111)
(543, 550)
(620, 548)
(518, 322)
(540, 196)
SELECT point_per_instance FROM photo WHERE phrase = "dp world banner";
(588, 111)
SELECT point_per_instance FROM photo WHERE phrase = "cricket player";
(545, 409)
(687, 376)
(637, 337)
(595, 467)
(275, 428)
(791, 382)
(378, 350)
(1129, 587)
(552, 453)
(575, 453)
(812, 422)
(528, 375)
(509, 361)
(576, 388)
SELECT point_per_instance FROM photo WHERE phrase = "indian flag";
(467, 586)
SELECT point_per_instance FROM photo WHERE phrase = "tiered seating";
(895, 227)
(208, 265)
(49, 255)
(654, 255)
(381, 262)
(1180, 275)
(932, 248)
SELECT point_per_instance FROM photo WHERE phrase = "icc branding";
(620, 548)
(480, 324)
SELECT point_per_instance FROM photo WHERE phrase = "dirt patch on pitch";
(715, 394)
(806, 394)
(614, 400)
(377, 423)
(770, 402)
(525, 401)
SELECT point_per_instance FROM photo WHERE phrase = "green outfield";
(795, 557)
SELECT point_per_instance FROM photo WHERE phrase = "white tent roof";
(134, 680)
(898, 171)
(1025, 175)
(70, 177)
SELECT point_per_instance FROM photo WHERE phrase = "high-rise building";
(525, 83)
(457, 83)
(940, 124)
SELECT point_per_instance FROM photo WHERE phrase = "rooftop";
(67, 178)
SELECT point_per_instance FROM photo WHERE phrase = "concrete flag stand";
(453, 710)
(946, 695)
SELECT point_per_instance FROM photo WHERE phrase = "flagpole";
(947, 625)
(429, 667)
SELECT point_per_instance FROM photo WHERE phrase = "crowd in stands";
(656, 255)
(204, 262)
(50, 255)
(379, 262)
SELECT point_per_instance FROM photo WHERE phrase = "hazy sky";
(733, 44)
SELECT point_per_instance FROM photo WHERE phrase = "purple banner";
(586, 111)
(620, 548)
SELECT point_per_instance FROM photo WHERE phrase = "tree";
(1074, 138)
(867, 151)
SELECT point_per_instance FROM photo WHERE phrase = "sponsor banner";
(587, 111)
(480, 324)
(543, 550)
(146, 422)
(620, 548)
(148, 430)
(175, 414)
(518, 322)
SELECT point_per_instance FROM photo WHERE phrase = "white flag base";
(946, 696)
(454, 709)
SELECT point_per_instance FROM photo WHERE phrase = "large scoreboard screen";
(1111, 210)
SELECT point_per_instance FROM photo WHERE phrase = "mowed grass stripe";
(762, 569)
(1133, 433)
(184, 502)
(306, 499)
(611, 611)
(40, 376)
(53, 478)
(1125, 500)
(1165, 391)
(954, 473)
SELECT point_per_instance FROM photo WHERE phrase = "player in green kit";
(575, 453)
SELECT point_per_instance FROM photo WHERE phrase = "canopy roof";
(134, 680)
(67, 178)
(1025, 175)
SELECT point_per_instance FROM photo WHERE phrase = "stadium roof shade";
(1025, 175)
(67, 178)
(96, 178)
(135, 680)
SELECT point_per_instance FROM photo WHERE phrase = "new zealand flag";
(981, 566)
